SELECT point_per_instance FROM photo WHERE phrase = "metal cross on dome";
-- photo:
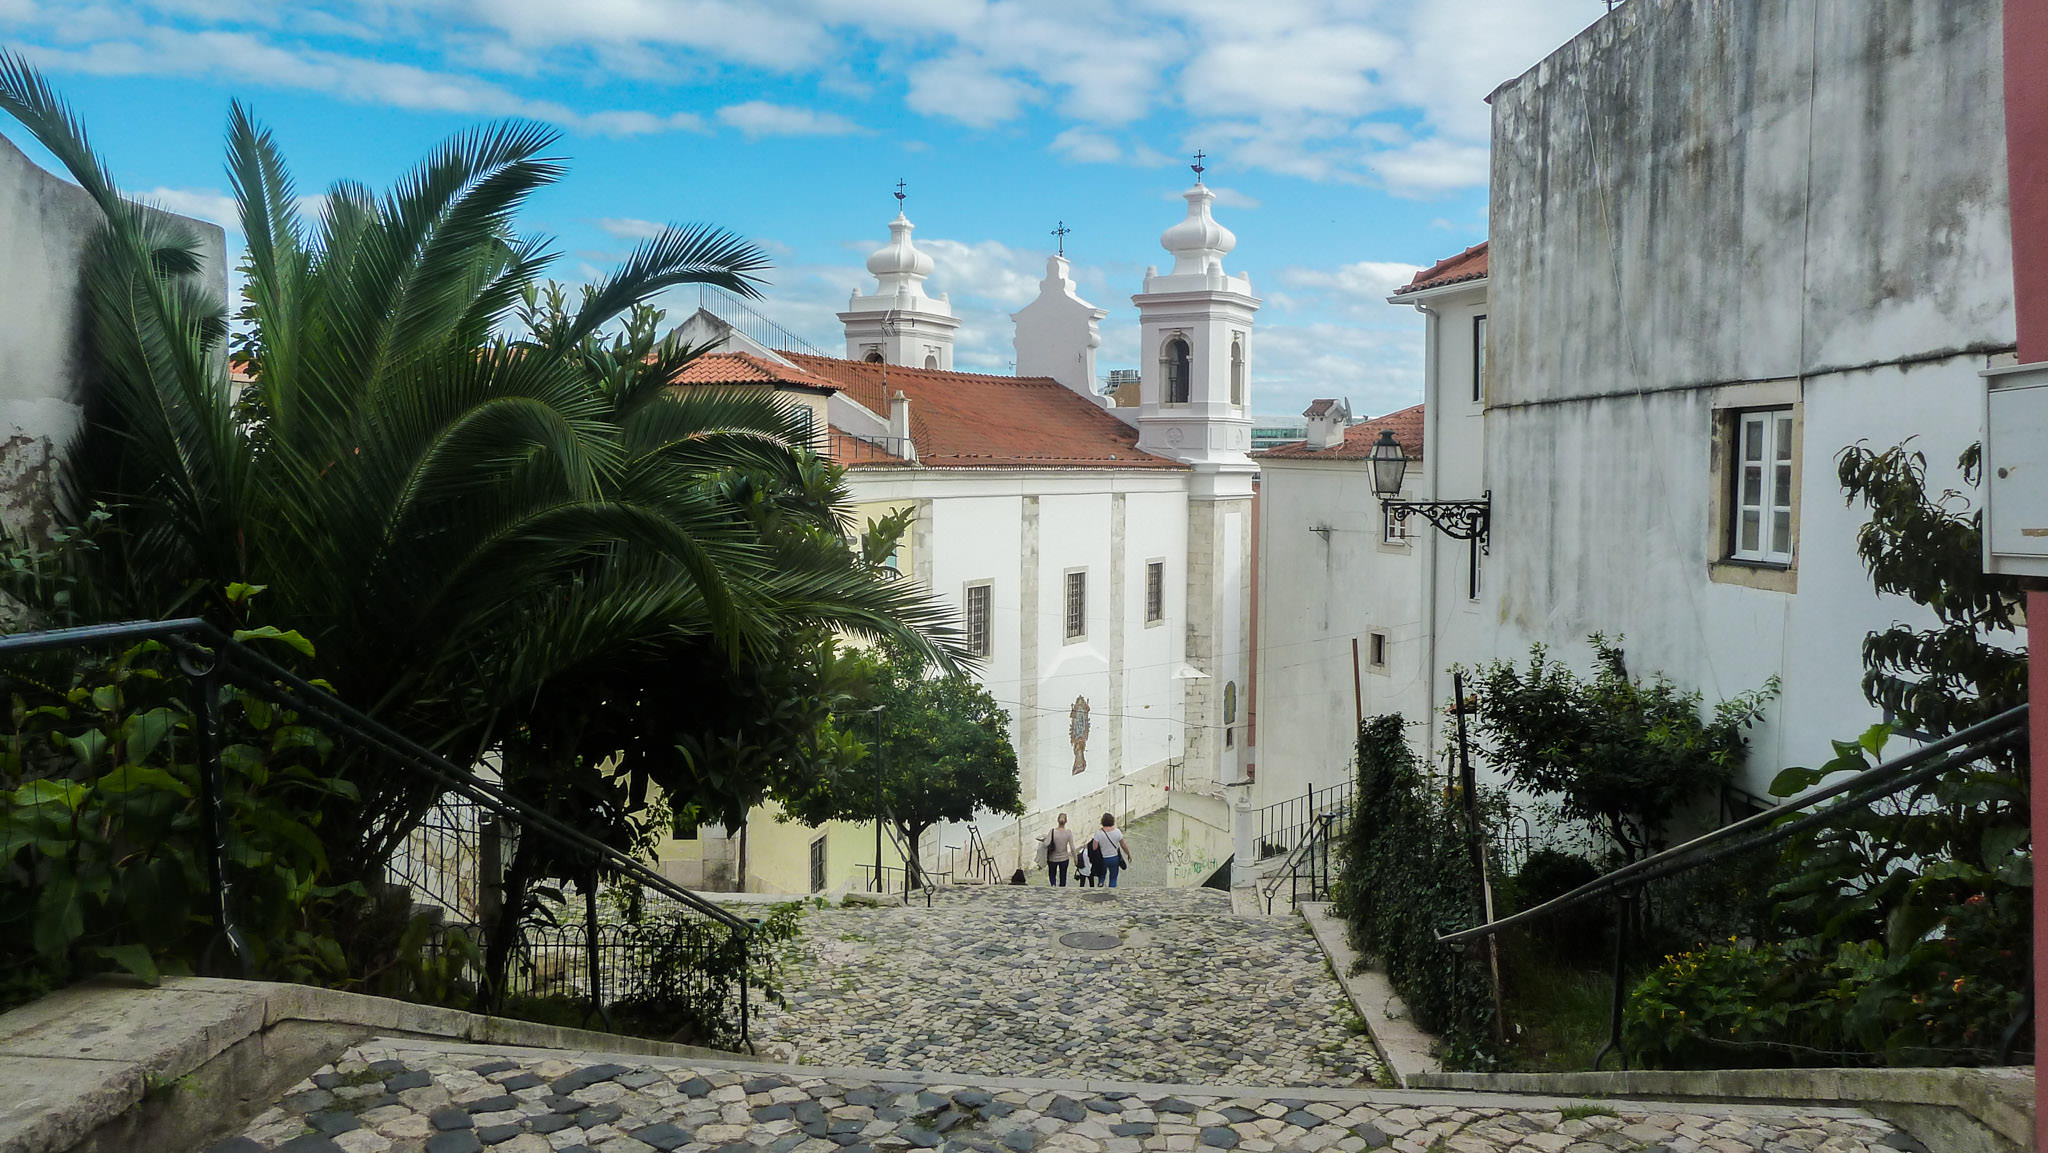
(899, 194)
(1061, 231)
(1197, 166)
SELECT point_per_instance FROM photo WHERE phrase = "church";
(1097, 553)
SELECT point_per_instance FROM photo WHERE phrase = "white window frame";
(981, 639)
(1074, 605)
(1760, 521)
(1392, 530)
(1479, 359)
(1155, 594)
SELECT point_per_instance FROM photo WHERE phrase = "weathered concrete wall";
(1697, 202)
(46, 229)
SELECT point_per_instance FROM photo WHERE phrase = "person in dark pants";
(1116, 852)
(1059, 851)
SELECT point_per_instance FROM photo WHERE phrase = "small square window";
(976, 612)
(1077, 604)
(1155, 592)
(1396, 530)
(1377, 649)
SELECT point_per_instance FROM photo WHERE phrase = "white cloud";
(1225, 197)
(630, 123)
(1430, 166)
(628, 228)
(964, 87)
(208, 204)
(760, 118)
(1085, 146)
(1364, 285)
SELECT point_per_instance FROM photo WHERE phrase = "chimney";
(899, 423)
(1327, 420)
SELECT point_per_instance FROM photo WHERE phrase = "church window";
(1230, 714)
(1237, 372)
(931, 360)
(1177, 362)
(874, 356)
(1155, 592)
(1077, 604)
(978, 596)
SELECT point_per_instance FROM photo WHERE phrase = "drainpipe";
(2026, 150)
(1432, 452)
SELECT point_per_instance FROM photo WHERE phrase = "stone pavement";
(1001, 981)
(400, 1096)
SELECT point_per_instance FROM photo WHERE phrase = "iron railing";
(430, 863)
(1283, 824)
(1309, 870)
(2007, 730)
(846, 448)
(981, 864)
(750, 323)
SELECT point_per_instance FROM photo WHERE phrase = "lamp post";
(1457, 519)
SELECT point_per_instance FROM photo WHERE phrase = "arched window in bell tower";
(1175, 359)
(1237, 371)
(931, 360)
(874, 356)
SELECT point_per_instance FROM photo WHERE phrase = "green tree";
(463, 522)
(1619, 753)
(941, 752)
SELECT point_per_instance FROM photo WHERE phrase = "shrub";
(1408, 874)
(1573, 935)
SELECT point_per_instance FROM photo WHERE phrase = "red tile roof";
(1467, 265)
(1358, 440)
(746, 368)
(968, 420)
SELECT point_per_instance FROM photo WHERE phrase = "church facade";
(1098, 556)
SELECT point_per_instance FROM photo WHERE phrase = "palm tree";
(455, 518)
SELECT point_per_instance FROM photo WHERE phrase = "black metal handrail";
(1283, 824)
(207, 654)
(981, 864)
(1760, 830)
(1309, 861)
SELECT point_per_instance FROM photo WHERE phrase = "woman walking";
(1116, 852)
(1059, 850)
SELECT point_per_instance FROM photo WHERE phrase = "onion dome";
(1197, 242)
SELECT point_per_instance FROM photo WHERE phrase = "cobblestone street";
(426, 1097)
(1013, 981)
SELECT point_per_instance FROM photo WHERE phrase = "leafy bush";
(692, 968)
(1408, 874)
(102, 855)
(1574, 935)
(1618, 753)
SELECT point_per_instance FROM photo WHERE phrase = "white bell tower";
(898, 323)
(1195, 357)
(1194, 406)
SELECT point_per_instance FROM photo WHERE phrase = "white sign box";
(2016, 470)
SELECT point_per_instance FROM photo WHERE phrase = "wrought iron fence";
(1624, 886)
(447, 861)
(1283, 824)
(847, 448)
(750, 323)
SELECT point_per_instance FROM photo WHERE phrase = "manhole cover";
(1091, 940)
(1098, 898)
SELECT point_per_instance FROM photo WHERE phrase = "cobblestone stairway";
(1143, 984)
(996, 1022)
(396, 1096)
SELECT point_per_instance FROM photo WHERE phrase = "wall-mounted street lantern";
(1457, 519)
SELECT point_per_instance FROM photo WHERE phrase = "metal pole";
(212, 805)
(879, 887)
(1624, 917)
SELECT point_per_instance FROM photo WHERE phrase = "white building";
(1340, 616)
(1098, 556)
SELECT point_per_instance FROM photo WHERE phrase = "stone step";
(390, 1094)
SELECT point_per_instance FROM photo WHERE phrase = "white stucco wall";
(1327, 580)
(46, 228)
(1689, 201)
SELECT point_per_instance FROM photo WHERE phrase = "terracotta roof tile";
(969, 420)
(746, 368)
(1358, 440)
(1467, 265)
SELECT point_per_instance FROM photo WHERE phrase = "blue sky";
(1347, 140)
